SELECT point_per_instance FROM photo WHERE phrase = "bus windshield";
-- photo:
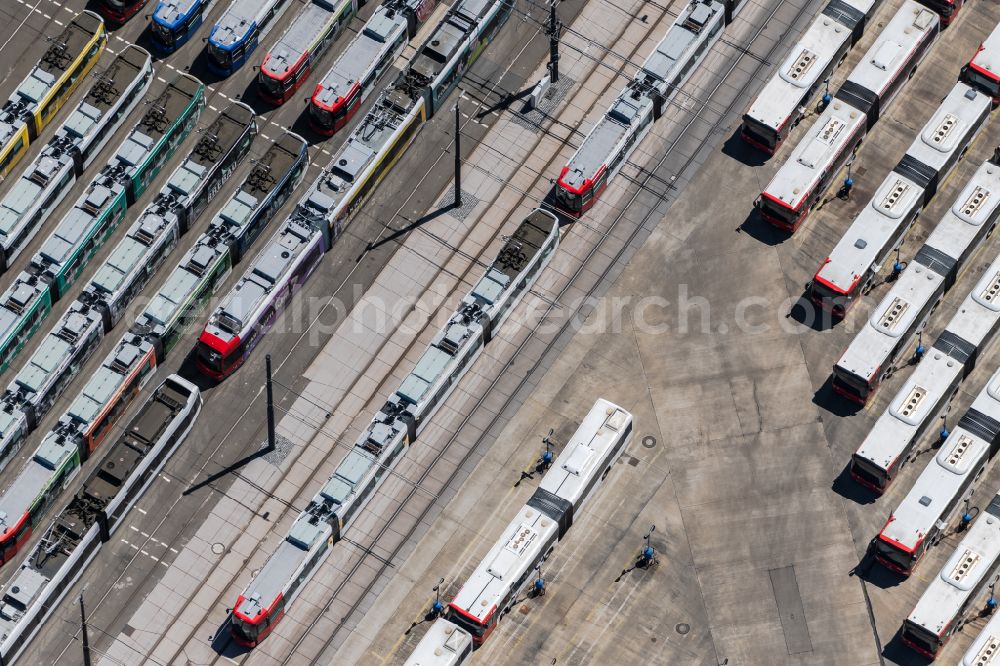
(894, 555)
(827, 298)
(850, 382)
(473, 628)
(776, 212)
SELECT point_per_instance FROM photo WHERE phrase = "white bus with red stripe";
(782, 102)
(983, 71)
(922, 519)
(852, 267)
(928, 392)
(946, 603)
(857, 105)
(491, 590)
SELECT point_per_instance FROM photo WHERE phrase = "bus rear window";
(921, 637)
(759, 133)
(866, 470)
(893, 554)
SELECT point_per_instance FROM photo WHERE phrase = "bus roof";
(974, 558)
(898, 40)
(916, 400)
(874, 226)
(444, 644)
(987, 58)
(574, 468)
(518, 547)
(891, 318)
(815, 153)
(985, 649)
(966, 448)
(806, 62)
(959, 116)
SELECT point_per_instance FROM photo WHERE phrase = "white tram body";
(77, 143)
(605, 149)
(74, 537)
(396, 426)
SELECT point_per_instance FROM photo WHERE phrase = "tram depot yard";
(585, 415)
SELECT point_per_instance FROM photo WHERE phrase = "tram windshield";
(220, 55)
(275, 87)
(164, 33)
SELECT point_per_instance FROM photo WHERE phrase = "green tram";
(98, 212)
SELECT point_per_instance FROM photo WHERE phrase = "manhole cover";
(682, 628)
(218, 548)
(649, 441)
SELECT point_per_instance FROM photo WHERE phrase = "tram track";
(474, 264)
(345, 282)
(532, 335)
(190, 520)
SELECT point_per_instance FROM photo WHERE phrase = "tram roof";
(306, 28)
(361, 55)
(172, 12)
